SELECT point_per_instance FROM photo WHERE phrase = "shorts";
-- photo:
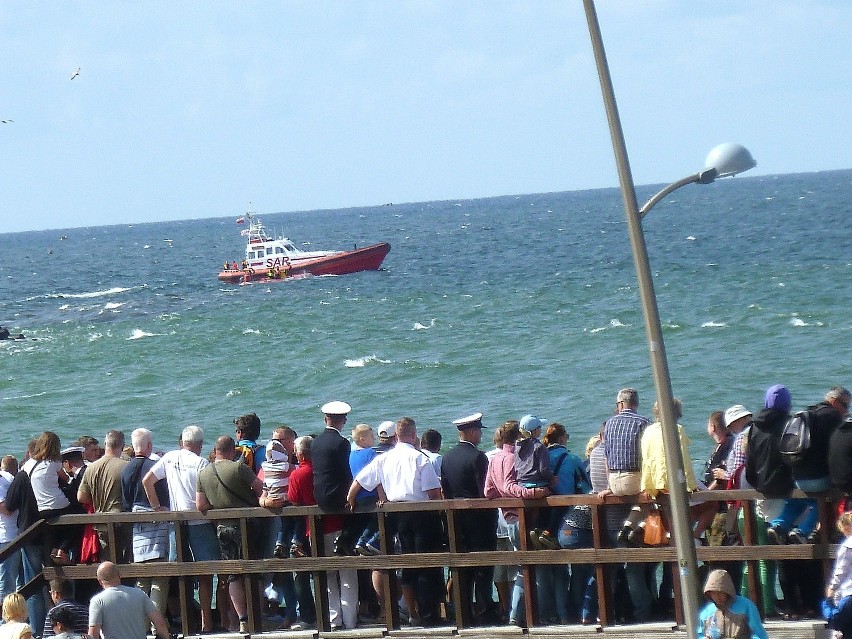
(230, 544)
(625, 483)
(504, 573)
(202, 542)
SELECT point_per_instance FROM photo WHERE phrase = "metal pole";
(681, 525)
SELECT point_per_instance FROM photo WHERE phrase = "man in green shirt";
(229, 484)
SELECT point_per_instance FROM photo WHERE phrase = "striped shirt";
(79, 615)
(622, 434)
(737, 454)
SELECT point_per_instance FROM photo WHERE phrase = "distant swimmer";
(6, 121)
(76, 73)
(4, 334)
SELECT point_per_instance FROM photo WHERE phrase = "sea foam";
(138, 333)
(109, 291)
(363, 361)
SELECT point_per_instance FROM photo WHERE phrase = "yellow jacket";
(654, 472)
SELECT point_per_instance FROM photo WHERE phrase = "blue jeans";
(641, 594)
(583, 588)
(806, 509)
(36, 605)
(280, 584)
(552, 583)
(11, 570)
(518, 609)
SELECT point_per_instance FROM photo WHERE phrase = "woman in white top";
(14, 616)
(46, 476)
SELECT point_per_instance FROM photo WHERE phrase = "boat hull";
(369, 258)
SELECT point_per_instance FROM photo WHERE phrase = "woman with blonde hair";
(14, 618)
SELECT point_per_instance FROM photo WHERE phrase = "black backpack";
(21, 498)
(795, 439)
(765, 469)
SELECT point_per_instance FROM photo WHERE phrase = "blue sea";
(505, 305)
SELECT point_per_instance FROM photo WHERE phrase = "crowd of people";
(348, 472)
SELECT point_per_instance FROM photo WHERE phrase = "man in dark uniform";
(332, 479)
(330, 452)
(463, 477)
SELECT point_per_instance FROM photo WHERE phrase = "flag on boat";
(241, 220)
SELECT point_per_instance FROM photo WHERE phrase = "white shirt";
(8, 523)
(404, 472)
(436, 459)
(44, 477)
(180, 469)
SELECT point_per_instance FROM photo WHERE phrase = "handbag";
(655, 530)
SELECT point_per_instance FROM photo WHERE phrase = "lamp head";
(728, 159)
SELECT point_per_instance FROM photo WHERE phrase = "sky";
(194, 109)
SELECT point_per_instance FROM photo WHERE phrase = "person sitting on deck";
(728, 615)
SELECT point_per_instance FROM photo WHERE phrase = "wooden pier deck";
(601, 555)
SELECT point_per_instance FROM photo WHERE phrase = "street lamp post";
(724, 160)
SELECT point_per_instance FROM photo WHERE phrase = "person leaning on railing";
(501, 481)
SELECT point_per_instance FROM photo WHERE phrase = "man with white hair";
(180, 469)
(150, 539)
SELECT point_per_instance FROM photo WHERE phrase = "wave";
(138, 333)
(110, 306)
(25, 396)
(796, 321)
(251, 331)
(95, 337)
(713, 325)
(422, 327)
(109, 291)
(613, 323)
(363, 361)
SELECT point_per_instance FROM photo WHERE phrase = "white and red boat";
(271, 258)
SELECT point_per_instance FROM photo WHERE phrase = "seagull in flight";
(76, 73)
(6, 121)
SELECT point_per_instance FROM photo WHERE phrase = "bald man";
(122, 612)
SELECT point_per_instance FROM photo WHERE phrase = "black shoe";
(624, 534)
(776, 536)
(796, 537)
(636, 537)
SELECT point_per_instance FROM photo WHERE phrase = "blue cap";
(778, 397)
(530, 423)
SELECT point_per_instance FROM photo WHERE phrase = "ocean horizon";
(505, 305)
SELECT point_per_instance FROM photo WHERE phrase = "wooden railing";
(601, 555)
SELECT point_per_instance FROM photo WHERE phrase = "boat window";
(251, 255)
(290, 247)
(279, 250)
(269, 251)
